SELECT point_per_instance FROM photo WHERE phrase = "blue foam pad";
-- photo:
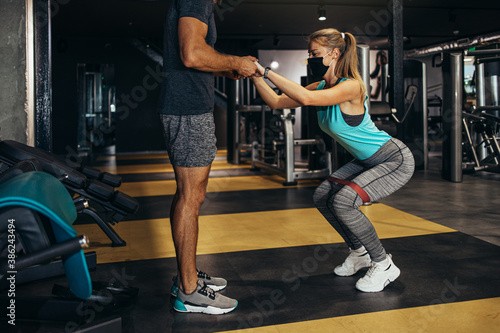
(45, 194)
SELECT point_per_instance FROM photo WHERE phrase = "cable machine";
(481, 122)
(266, 138)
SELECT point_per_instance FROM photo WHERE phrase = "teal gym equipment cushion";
(45, 194)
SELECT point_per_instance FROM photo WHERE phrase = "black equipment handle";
(67, 247)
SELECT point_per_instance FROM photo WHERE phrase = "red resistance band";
(362, 194)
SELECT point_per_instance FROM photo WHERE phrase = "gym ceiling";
(284, 24)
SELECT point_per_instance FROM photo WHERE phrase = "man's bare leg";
(191, 189)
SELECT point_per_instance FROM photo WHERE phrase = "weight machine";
(280, 155)
(477, 120)
(481, 122)
(470, 133)
(411, 124)
(266, 138)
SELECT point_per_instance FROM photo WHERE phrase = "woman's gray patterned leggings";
(380, 175)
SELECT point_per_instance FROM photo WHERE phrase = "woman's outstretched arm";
(346, 91)
(271, 98)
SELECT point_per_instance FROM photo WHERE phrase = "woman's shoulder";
(349, 81)
(348, 84)
(352, 88)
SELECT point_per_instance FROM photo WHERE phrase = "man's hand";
(247, 66)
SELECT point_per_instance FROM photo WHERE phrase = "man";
(186, 107)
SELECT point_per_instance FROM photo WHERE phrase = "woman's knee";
(320, 196)
(317, 198)
(346, 201)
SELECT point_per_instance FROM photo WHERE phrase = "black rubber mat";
(224, 203)
(231, 202)
(286, 285)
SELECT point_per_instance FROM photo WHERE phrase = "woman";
(381, 166)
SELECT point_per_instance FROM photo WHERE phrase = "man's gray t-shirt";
(186, 91)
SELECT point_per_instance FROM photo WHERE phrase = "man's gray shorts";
(190, 139)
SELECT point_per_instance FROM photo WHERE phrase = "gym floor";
(278, 253)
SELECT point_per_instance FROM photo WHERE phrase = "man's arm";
(197, 54)
(229, 74)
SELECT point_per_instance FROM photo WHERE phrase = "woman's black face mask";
(317, 67)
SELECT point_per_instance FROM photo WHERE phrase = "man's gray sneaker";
(204, 300)
(215, 283)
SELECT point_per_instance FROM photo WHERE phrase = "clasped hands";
(249, 67)
(260, 70)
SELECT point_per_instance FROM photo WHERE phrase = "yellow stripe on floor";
(459, 317)
(164, 167)
(220, 184)
(125, 157)
(149, 239)
(144, 156)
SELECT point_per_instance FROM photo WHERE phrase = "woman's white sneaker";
(378, 276)
(356, 260)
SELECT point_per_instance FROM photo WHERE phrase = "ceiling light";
(321, 13)
(274, 64)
